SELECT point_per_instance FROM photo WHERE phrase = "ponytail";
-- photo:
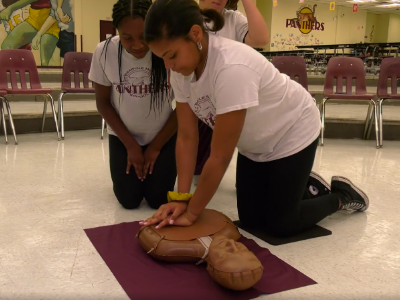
(232, 4)
(211, 15)
(172, 19)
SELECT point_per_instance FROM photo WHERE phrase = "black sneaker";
(317, 186)
(352, 198)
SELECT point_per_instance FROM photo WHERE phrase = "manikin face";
(131, 35)
(230, 256)
(218, 5)
(181, 55)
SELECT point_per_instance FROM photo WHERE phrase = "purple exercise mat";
(144, 278)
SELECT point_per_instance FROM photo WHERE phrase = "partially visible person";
(251, 30)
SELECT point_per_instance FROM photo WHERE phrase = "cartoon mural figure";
(307, 14)
(66, 41)
(60, 14)
(15, 18)
(37, 23)
(41, 28)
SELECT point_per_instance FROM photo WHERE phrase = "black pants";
(128, 189)
(270, 194)
(204, 148)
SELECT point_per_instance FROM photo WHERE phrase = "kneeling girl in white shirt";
(271, 119)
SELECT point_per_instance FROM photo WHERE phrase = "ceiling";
(376, 6)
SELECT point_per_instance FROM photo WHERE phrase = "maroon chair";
(389, 69)
(75, 79)
(21, 68)
(293, 66)
(350, 69)
(3, 118)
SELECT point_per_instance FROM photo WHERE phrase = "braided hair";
(160, 89)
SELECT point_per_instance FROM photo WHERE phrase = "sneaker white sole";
(320, 179)
(358, 190)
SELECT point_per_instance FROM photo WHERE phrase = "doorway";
(107, 30)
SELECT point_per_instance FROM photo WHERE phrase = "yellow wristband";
(175, 196)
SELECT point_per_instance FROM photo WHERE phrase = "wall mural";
(44, 25)
(302, 29)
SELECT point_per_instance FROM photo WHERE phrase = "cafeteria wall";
(371, 28)
(284, 33)
(341, 25)
(265, 7)
(350, 25)
(394, 29)
(381, 28)
(88, 15)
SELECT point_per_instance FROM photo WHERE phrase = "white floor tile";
(50, 191)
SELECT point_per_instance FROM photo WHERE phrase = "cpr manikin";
(232, 265)
(212, 238)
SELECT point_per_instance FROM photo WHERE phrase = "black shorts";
(66, 42)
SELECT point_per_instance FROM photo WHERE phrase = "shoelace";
(353, 205)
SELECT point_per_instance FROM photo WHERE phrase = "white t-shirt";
(235, 28)
(131, 97)
(281, 119)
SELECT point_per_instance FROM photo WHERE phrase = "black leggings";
(128, 189)
(270, 194)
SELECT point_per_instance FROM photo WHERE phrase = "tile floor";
(50, 191)
(333, 111)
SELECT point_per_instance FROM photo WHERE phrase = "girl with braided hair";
(134, 97)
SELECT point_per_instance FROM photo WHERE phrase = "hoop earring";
(200, 46)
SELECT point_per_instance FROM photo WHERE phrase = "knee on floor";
(129, 201)
(155, 201)
(129, 205)
(282, 229)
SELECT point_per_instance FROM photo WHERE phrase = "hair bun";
(211, 15)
